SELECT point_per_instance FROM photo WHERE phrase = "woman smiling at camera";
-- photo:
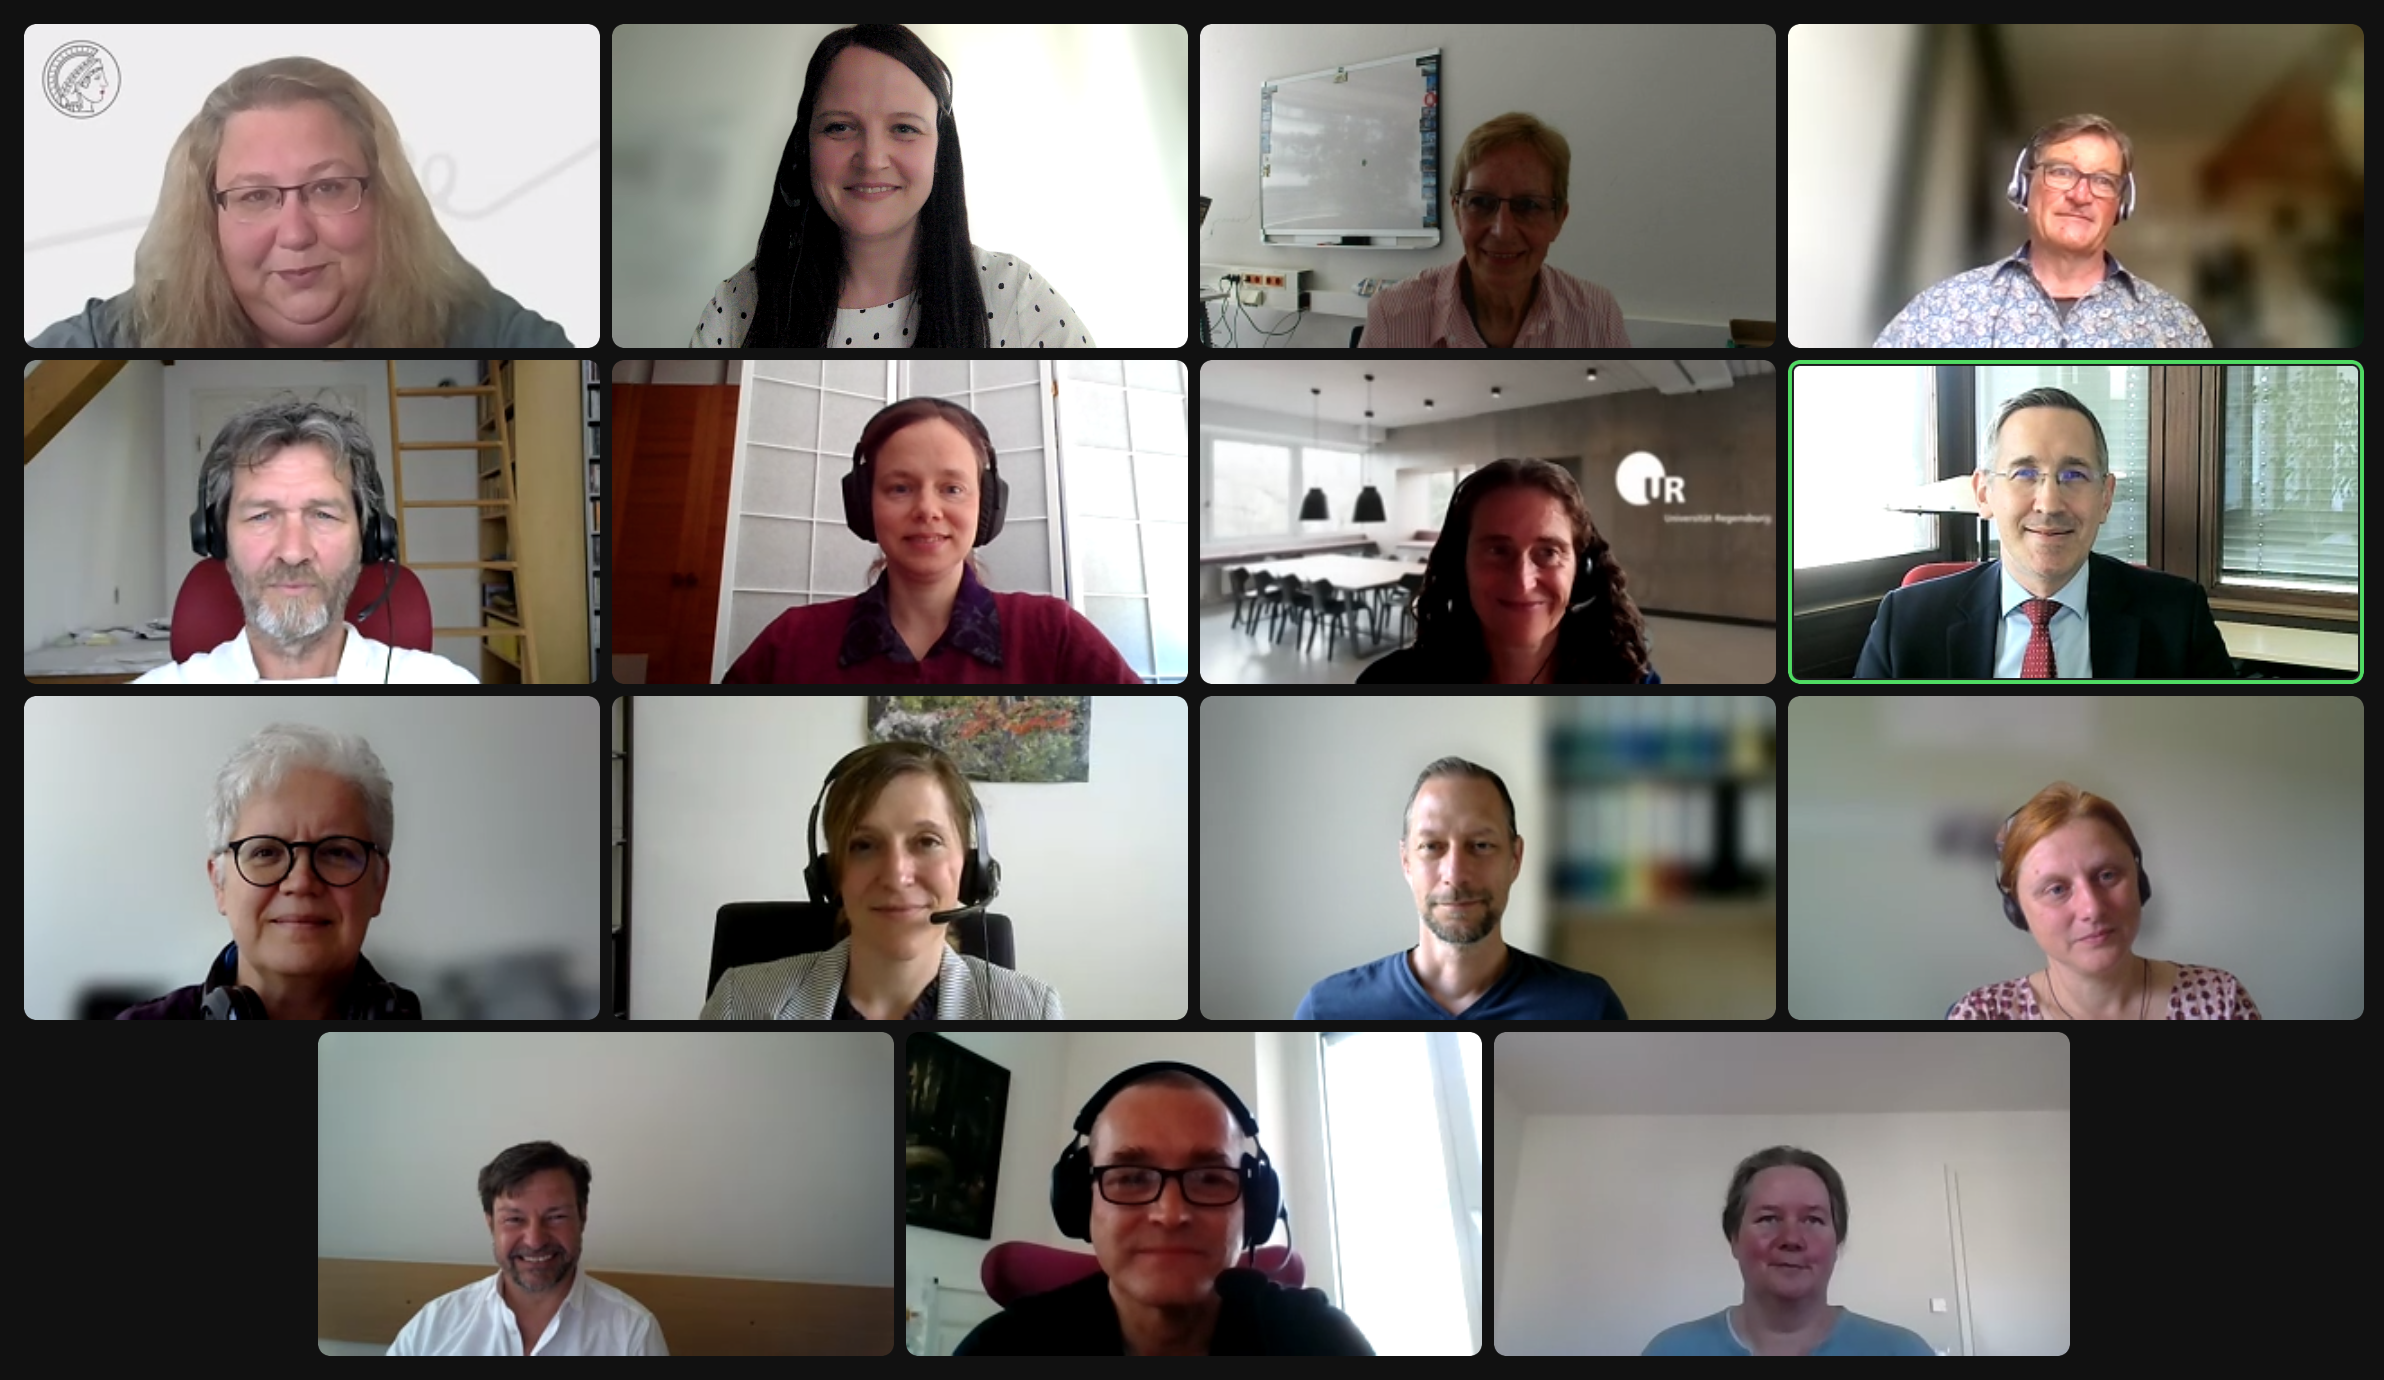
(1509, 191)
(1520, 590)
(898, 855)
(289, 219)
(924, 486)
(2073, 877)
(866, 245)
(1785, 1220)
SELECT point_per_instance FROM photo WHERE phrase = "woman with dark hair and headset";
(2072, 876)
(925, 488)
(1520, 590)
(904, 836)
(866, 245)
(1164, 1175)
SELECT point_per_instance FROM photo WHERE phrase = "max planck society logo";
(81, 80)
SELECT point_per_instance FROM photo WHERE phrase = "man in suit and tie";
(2050, 607)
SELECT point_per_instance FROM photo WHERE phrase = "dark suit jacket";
(2140, 625)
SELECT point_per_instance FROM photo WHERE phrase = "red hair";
(2049, 809)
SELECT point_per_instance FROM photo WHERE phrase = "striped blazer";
(803, 987)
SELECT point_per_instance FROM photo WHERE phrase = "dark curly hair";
(1604, 643)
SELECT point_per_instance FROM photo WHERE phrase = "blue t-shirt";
(1855, 1335)
(1531, 989)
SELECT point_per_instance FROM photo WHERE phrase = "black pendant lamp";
(1369, 498)
(1312, 507)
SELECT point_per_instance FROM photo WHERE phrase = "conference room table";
(1346, 574)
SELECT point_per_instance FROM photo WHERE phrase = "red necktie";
(2037, 662)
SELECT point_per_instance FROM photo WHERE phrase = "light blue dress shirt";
(2070, 659)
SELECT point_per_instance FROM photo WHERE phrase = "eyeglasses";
(264, 860)
(1132, 1185)
(2061, 177)
(2024, 480)
(325, 196)
(1528, 210)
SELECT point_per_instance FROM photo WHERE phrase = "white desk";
(2330, 651)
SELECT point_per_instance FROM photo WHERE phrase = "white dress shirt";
(2068, 628)
(595, 1320)
(362, 661)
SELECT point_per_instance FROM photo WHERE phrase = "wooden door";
(673, 448)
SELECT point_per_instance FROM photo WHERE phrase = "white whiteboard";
(1352, 154)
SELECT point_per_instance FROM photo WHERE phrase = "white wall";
(1506, 1141)
(741, 1154)
(1092, 872)
(1299, 827)
(91, 504)
(1675, 172)
(432, 534)
(701, 114)
(1620, 1232)
(2238, 803)
(496, 850)
(1848, 91)
(1052, 1074)
(513, 172)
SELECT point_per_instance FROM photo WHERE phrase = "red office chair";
(1015, 1270)
(207, 611)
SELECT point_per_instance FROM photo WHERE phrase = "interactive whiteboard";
(1351, 155)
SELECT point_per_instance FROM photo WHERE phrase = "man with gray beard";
(291, 502)
(1460, 850)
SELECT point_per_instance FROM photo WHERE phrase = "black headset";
(2011, 903)
(1072, 1173)
(980, 875)
(372, 998)
(991, 500)
(380, 529)
(1447, 598)
(2017, 192)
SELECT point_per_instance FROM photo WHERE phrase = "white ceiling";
(2158, 81)
(1457, 387)
(1698, 1073)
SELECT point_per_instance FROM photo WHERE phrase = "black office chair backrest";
(762, 931)
(1355, 333)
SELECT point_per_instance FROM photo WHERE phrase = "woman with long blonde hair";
(290, 219)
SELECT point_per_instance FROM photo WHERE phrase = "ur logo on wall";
(1641, 479)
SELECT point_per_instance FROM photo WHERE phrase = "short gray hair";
(1734, 1206)
(2046, 397)
(256, 436)
(2069, 127)
(1458, 766)
(264, 761)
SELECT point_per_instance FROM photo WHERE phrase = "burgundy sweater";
(993, 639)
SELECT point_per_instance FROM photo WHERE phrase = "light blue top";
(1855, 1335)
(2068, 628)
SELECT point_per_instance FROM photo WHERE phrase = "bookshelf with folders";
(1664, 875)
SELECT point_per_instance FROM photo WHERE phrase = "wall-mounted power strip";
(1253, 285)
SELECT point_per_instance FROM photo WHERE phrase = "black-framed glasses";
(1527, 210)
(2061, 177)
(325, 196)
(1203, 1185)
(264, 860)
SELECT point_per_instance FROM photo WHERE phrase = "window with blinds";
(2119, 395)
(2289, 516)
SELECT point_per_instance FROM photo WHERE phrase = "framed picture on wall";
(994, 737)
(952, 1153)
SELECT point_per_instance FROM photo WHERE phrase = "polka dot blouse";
(1023, 311)
(2200, 994)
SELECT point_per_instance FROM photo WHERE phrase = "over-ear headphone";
(369, 998)
(2011, 903)
(379, 527)
(1581, 562)
(980, 875)
(992, 499)
(2017, 192)
(1072, 1173)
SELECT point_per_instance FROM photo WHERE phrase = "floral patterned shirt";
(2200, 994)
(2002, 306)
